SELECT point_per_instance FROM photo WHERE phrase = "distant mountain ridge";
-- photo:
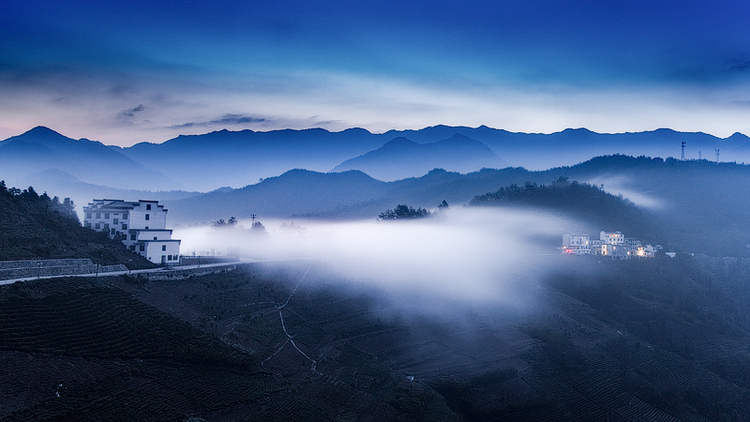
(226, 158)
(42, 149)
(401, 158)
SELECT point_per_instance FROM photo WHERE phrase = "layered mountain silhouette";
(702, 205)
(235, 159)
(226, 158)
(401, 158)
(42, 149)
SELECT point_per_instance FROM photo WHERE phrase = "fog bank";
(476, 255)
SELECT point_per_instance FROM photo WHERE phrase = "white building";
(612, 238)
(610, 244)
(578, 244)
(140, 225)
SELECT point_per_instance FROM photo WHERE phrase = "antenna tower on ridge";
(682, 155)
(717, 155)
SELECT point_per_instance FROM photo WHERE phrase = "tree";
(403, 211)
(258, 229)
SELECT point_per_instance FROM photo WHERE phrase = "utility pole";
(253, 217)
(682, 155)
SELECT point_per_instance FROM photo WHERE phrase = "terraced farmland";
(264, 343)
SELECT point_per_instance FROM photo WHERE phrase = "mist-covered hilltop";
(701, 206)
(581, 201)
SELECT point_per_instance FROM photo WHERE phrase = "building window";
(97, 226)
(124, 226)
(106, 226)
(164, 247)
(142, 248)
(106, 215)
(88, 215)
(88, 225)
(124, 216)
(169, 257)
(133, 236)
(154, 237)
(98, 215)
(147, 217)
(132, 248)
(116, 221)
(112, 232)
(148, 207)
(146, 227)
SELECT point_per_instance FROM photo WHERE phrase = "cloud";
(132, 111)
(225, 120)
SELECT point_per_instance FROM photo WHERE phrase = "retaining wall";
(52, 267)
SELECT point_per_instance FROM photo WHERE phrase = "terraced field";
(270, 343)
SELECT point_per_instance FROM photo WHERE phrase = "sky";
(130, 71)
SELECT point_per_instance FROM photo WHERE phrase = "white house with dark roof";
(140, 225)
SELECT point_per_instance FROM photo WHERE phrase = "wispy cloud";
(225, 120)
(131, 112)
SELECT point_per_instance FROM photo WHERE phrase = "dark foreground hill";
(580, 201)
(626, 341)
(34, 226)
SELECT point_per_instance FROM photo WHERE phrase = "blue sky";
(131, 71)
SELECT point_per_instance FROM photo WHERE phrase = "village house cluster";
(611, 244)
(140, 225)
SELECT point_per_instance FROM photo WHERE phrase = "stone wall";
(52, 267)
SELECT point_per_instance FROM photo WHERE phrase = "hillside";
(658, 339)
(34, 226)
(580, 201)
(702, 206)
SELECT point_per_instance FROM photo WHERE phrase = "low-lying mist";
(483, 256)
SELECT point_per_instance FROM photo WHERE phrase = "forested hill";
(34, 226)
(580, 201)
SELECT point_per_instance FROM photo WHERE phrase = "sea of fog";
(463, 254)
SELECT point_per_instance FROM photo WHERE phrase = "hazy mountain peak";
(41, 130)
(398, 142)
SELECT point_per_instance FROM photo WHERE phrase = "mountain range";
(225, 158)
(703, 206)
